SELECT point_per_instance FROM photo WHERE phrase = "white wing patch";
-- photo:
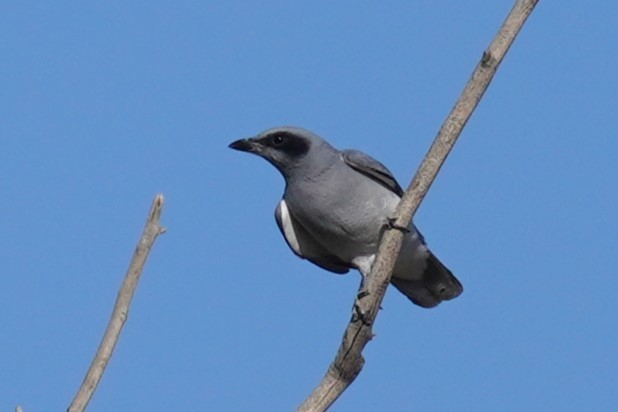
(288, 227)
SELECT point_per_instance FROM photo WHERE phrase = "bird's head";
(288, 148)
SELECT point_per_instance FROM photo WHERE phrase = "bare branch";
(121, 307)
(349, 360)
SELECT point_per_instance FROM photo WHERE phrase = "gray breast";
(344, 211)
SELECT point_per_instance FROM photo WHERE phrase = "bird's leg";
(359, 314)
(364, 265)
(391, 224)
(362, 290)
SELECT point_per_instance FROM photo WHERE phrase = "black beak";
(244, 145)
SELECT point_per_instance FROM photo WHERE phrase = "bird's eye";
(277, 139)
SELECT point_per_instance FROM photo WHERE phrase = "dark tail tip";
(437, 284)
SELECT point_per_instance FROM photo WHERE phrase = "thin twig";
(121, 308)
(349, 360)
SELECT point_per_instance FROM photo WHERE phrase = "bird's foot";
(392, 225)
(359, 314)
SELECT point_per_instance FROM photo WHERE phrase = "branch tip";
(155, 210)
(121, 308)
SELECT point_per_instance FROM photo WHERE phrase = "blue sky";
(105, 105)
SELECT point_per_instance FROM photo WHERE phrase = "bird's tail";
(436, 284)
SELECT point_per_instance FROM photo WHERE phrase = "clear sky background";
(104, 105)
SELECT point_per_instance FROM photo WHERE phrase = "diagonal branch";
(349, 360)
(121, 307)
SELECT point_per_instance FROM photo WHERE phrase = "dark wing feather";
(373, 169)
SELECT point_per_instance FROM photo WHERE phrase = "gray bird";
(335, 207)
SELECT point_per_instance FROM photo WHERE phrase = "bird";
(335, 207)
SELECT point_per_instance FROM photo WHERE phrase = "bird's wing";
(373, 169)
(303, 244)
